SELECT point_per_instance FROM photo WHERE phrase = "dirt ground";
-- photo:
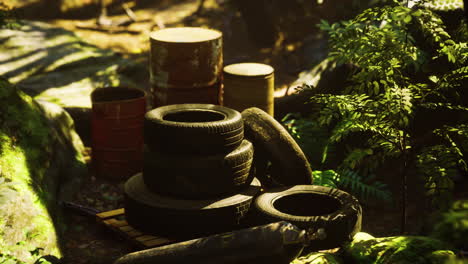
(88, 242)
(132, 40)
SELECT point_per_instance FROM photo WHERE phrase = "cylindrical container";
(249, 85)
(185, 65)
(117, 131)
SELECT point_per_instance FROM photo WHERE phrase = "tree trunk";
(465, 6)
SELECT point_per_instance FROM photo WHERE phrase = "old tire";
(305, 206)
(193, 129)
(273, 141)
(199, 176)
(177, 218)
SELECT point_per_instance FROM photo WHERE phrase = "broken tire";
(273, 141)
(305, 206)
(193, 129)
(177, 218)
(199, 176)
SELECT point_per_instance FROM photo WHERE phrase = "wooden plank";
(145, 238)
(126, 228)
(115, 223)
(109, 214)
(134, 233)
(111, 220)
(157, 242)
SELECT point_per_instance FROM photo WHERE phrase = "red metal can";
(117, 131)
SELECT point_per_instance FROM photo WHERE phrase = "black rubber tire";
(338, 212)
(177, 218)
(199, 176)
(219, 129)
(273, 141)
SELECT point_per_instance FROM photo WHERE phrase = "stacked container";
(186, 65)
(197, 177)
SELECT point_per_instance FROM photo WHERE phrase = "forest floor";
(88, 242)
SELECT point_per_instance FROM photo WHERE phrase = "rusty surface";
(185, 69)
(117, 131)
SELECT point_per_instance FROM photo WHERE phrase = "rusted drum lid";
(249, 69)
(185, 58)
(185, 35)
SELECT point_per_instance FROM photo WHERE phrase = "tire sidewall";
(340, 225)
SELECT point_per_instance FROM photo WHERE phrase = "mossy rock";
(452, 226)
(318, 258)
(40, 159)
(53, 64)
(400, 249)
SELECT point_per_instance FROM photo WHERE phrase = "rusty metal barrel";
(117, 131)
(249, 85)
(185, 65)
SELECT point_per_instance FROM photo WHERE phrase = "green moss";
(26, 136)
(318, 258)
(400, 249)
(21, 207)
(24, 144)
(13, 161)
(452, 226)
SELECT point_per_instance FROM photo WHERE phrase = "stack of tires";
(197, 177)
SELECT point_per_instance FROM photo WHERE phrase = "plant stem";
(404, 186)
(404, 191)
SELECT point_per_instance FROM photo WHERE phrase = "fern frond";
(432, 27)
(358, 186)
(327, 178)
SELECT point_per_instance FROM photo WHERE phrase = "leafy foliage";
(6, 17)
(328, 178)
(312, 137)
(364, 187)
(440, 164)
(452, 225)
(404, 60)
(6, 258)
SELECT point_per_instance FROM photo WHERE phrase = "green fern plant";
(441, 164)
(352, 181)
(328, 178)
(366, 187)
(318, 147)
(404, 60)
(312, 138)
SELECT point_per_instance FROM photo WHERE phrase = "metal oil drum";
(185, 65)
(117, 131)
(249, 85)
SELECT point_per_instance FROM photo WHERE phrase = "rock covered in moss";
(452, 226)
(53, 64)
(400, 249)
(318, 258)
(67, 164)
(37, 152)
